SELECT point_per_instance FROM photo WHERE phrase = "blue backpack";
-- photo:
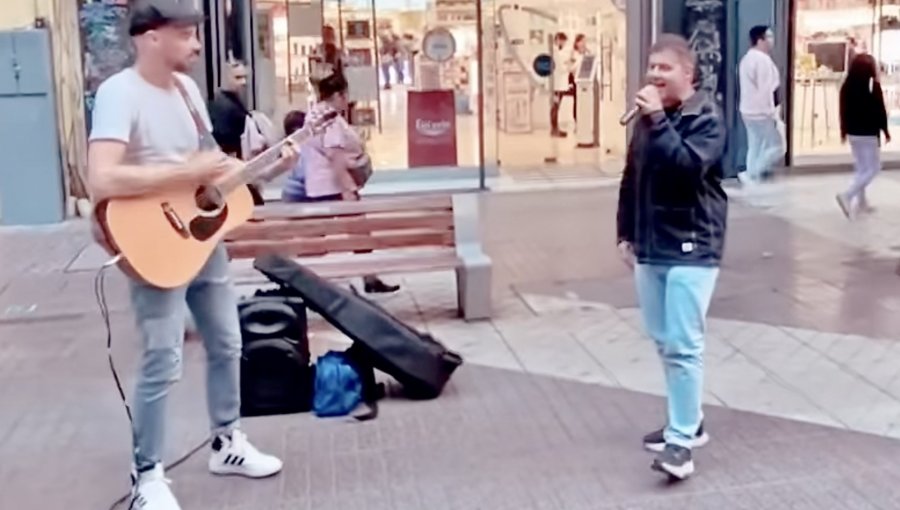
(338, 386)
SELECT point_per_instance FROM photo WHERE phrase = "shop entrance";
(560, 85)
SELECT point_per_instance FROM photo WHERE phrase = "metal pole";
(377, 64)
(480, 52)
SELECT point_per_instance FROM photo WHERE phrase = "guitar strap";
(204, 137)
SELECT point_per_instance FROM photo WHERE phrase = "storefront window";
(829, 33)
(416, 69)
(560, 86)
(412, 110)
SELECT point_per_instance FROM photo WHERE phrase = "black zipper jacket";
(672, 208)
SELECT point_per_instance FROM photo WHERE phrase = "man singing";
(671, 230)
(150, 132)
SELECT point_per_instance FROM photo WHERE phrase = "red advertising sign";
(431, 128)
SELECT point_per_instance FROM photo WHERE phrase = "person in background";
(563, 61)
(294, 189)
(328, 57)
(671, 230)
(328, 157)
(228, 113)
(579, 51)
(863, 119)
(759, 82)
(234, 128)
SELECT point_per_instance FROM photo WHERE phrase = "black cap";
(149, 15)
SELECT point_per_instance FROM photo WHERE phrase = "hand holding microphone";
(646, 101)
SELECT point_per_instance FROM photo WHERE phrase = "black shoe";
(379, 287)
(656, 442)
(675, 461)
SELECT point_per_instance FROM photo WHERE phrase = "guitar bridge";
(175, 221)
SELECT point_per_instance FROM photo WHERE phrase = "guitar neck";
(263, 162)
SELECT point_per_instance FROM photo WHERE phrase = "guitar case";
(421, 364)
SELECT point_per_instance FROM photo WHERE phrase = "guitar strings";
(100, 296)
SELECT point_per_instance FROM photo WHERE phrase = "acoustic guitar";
(165, 239)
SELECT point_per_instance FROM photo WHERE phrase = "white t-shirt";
(563, 65)
(759, 78)
(155, 123)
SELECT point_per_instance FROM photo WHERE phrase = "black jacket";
(862, 110)
(672, 207)
(229, 118)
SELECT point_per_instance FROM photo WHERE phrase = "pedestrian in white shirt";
(563, 65)
(759, 81)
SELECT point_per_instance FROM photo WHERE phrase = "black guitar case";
(421, 364)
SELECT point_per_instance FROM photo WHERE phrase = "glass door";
(559, 88)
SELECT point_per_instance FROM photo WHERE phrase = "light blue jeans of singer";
(763, 147)
(160, 316)
(674, 301)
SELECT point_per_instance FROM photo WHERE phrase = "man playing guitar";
(150, 132)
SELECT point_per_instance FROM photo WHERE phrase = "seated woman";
(323, 173)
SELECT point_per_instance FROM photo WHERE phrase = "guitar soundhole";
(209, 199)
(204, 227)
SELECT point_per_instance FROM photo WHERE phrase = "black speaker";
(276, 375)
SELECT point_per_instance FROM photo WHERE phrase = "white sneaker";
(151, 491)
(236, 456)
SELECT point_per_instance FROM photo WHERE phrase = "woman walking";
(863, 119)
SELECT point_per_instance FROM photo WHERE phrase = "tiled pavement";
(556, 391)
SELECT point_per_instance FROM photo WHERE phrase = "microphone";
(629, 115)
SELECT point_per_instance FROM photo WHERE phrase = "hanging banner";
(431, 128)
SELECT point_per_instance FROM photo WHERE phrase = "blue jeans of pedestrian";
(674, 301)
(160, 316)
(763, 147)
(866, 164)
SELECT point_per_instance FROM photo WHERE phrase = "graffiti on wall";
(704, 24)
(107, 45)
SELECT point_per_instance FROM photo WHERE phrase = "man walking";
(671, 230)
(151, 132)
(760, 81)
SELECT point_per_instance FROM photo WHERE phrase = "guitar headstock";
(323, 122)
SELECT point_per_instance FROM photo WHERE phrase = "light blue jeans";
(674, 301)
(866, 164)
(763, 147)
(160, 315)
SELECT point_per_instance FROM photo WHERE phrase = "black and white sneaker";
(235, 455)
(656, 441)
(150, 491)
(675, 461)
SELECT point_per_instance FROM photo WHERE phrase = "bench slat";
(338, 208)
(367, 263)
(350, 243)
(318, 227)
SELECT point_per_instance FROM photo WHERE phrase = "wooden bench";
(404, 234)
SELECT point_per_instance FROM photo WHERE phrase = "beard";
(184, 65)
